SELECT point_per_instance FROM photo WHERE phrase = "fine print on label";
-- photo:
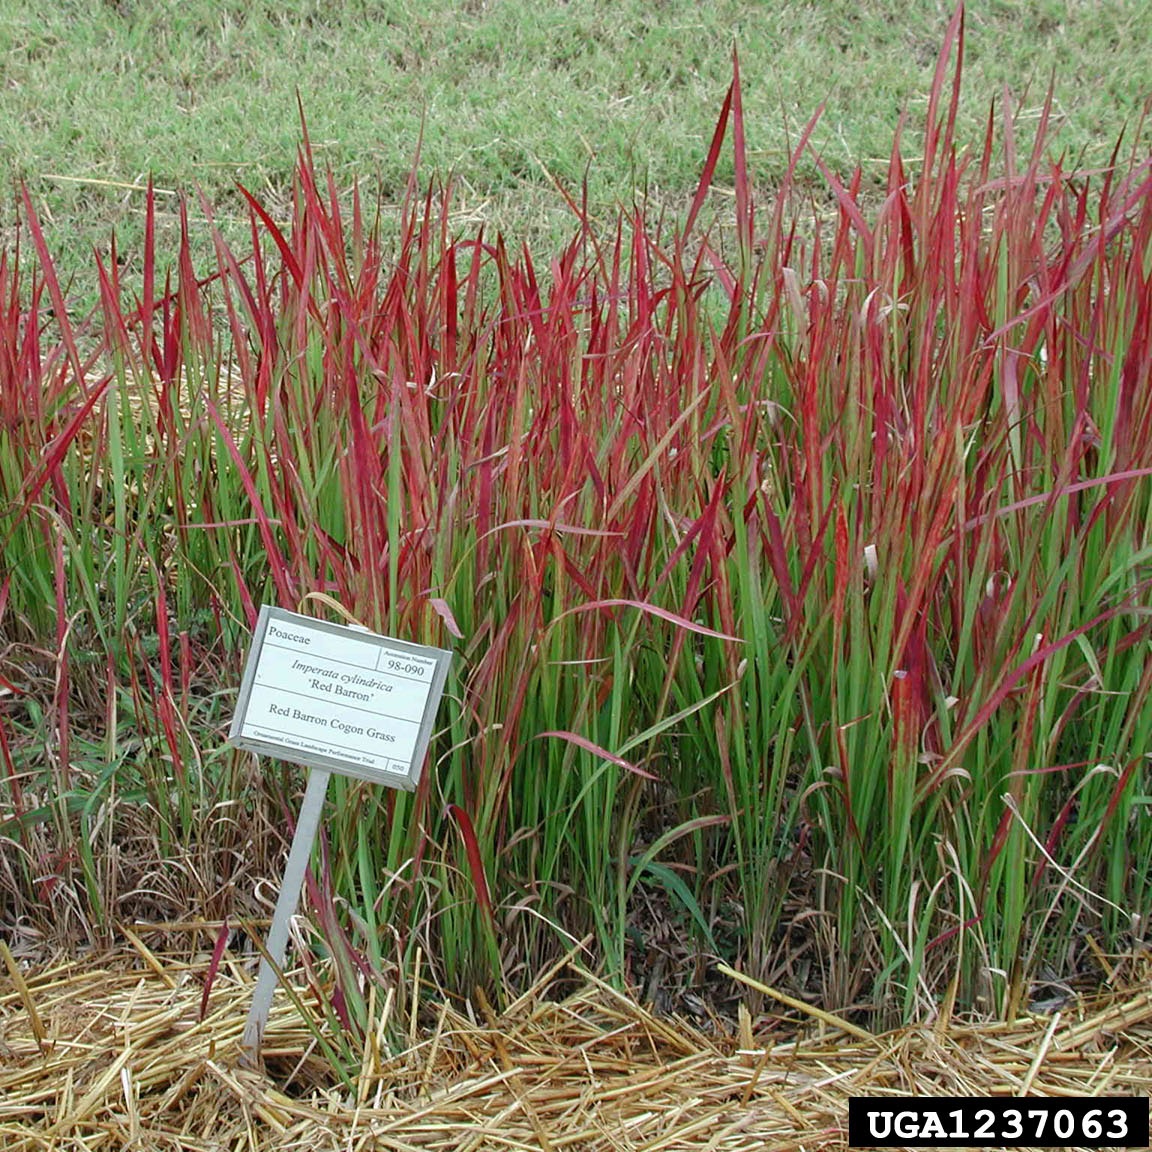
(340, 698)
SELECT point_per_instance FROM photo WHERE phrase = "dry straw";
(112, 1055)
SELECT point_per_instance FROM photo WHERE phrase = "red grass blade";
(475, 861)
(710, 163)
(214, 967)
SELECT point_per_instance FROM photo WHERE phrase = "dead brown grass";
(109, 1053)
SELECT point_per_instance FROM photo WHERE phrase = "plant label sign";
(339, 698)
(335, 699)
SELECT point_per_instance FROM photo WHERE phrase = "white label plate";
(345, 699)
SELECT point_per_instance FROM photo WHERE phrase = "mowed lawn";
(511, 97)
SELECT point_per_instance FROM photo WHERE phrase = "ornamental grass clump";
(796, 571)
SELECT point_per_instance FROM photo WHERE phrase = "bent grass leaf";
(674, 885)
(596, 750)
(652, 610)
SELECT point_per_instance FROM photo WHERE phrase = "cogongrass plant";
(796, 575)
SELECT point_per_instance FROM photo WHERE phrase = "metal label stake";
(286, 903)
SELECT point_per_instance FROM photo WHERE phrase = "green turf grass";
(510, 95)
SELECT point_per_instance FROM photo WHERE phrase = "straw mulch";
(110, 1054)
